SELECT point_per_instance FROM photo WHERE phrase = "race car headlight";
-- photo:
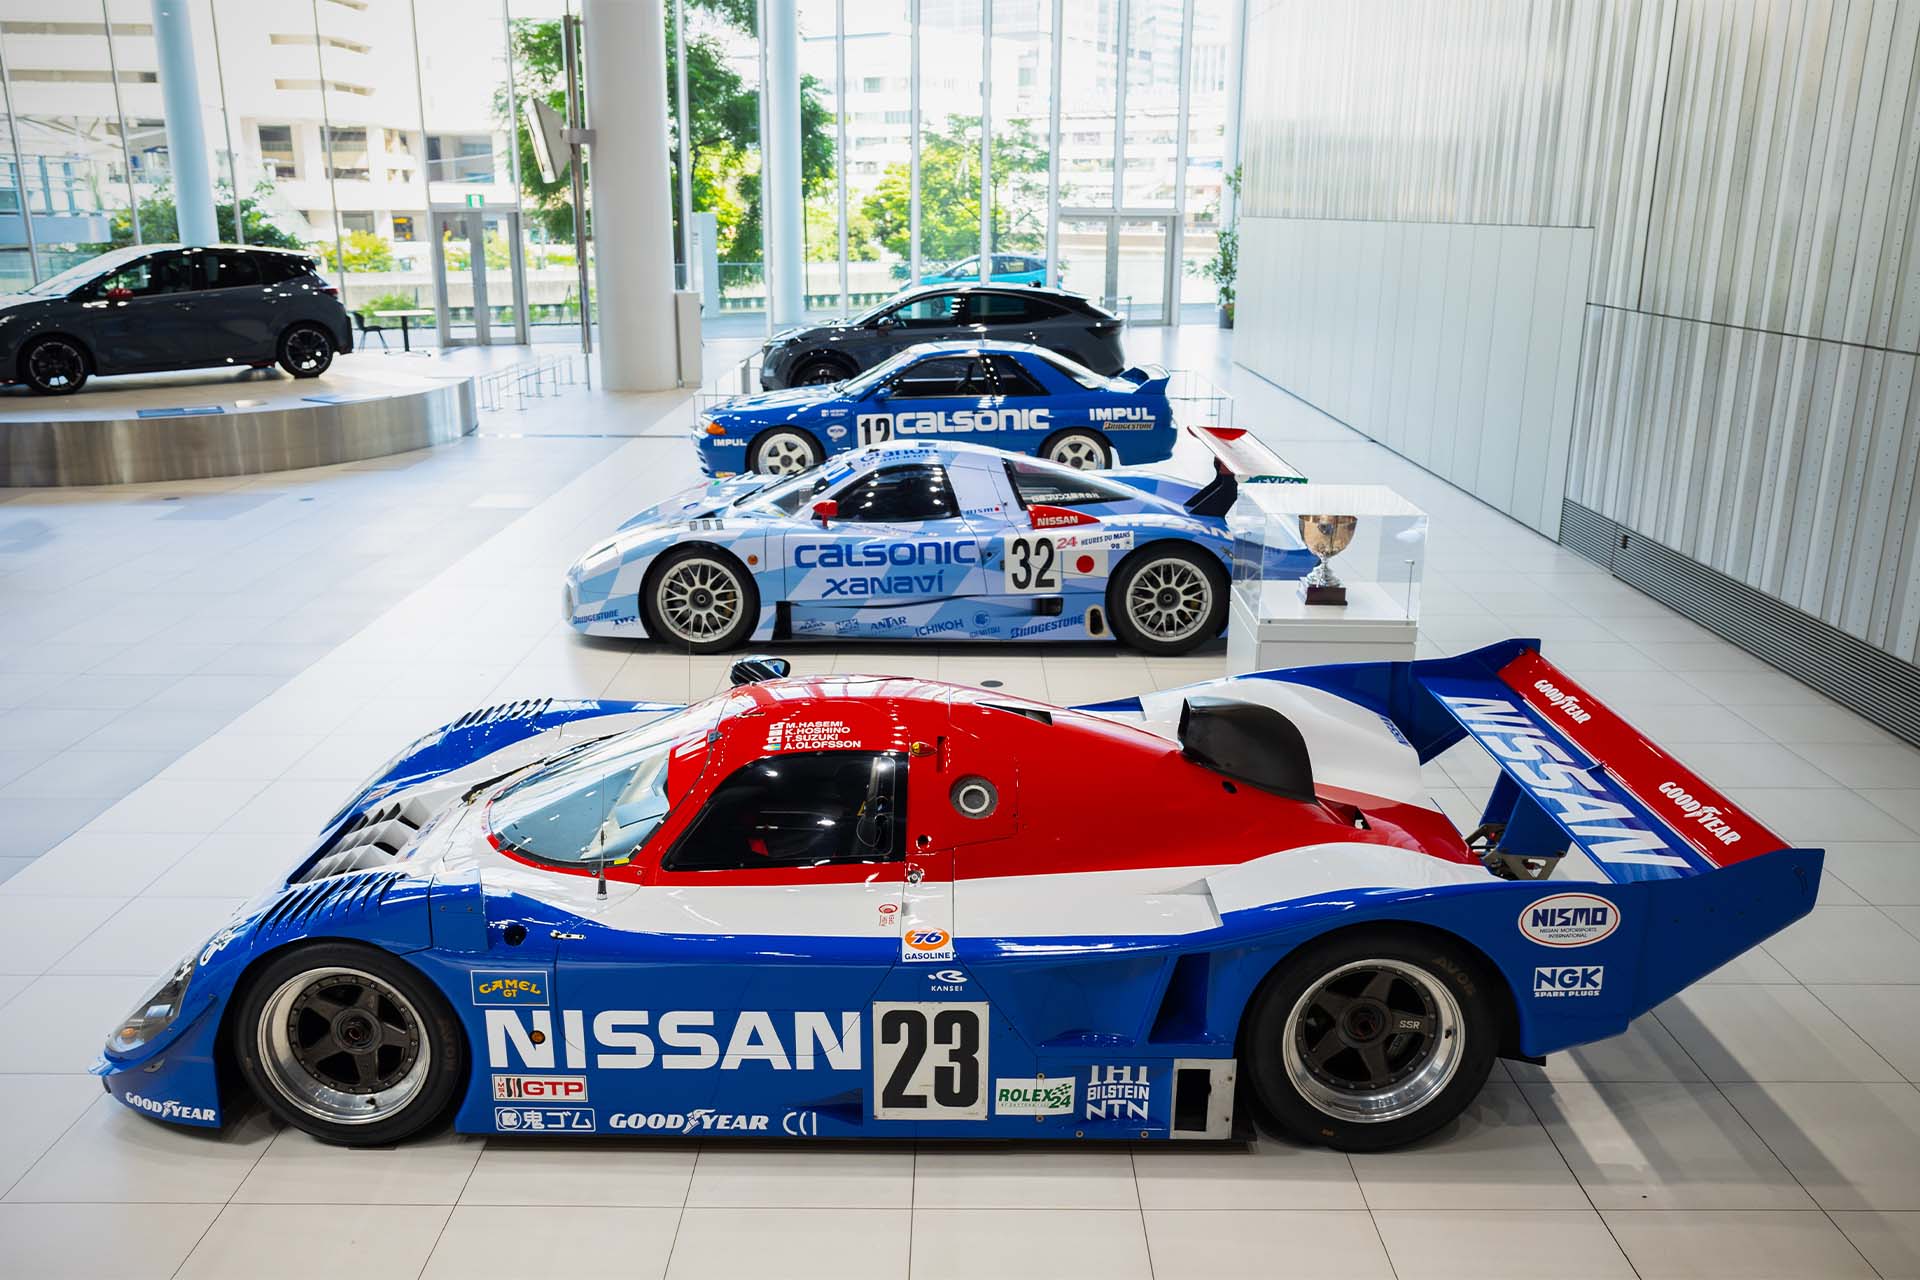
(155, 1012)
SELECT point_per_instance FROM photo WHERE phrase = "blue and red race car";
(1007, 394)
(865, 906)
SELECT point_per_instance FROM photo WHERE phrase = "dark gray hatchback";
(1050, 318)
(169, 306)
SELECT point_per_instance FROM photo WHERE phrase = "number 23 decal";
(930, 1061)
(1032, 563)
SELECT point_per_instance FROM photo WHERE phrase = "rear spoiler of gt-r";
(1147, 378)
(1239, 458)
(1573, 773)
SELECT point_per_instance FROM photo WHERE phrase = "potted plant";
(1224, 268)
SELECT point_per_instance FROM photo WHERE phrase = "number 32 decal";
(930, 1061)
(1032, 563)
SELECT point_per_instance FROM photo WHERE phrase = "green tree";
(950, 193)
(364, 251)
(723, 128)
(160, 222)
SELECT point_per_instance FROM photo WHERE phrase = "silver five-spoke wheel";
(1081, 450)
(1372, 1041)
(343, 1046)
(784, 453)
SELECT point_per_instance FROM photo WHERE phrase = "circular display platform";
(221, 422)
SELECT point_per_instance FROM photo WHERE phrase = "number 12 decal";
(930, 1061)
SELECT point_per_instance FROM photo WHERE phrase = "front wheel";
(701, 599)
(1080, 449)
(350, 1044)
(1167, 598)
(1372, 1039)
(784, 451)
(54, 367)
(818, 372)
(306, 351)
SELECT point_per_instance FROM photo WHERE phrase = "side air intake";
(373, 839)
(1249, 743)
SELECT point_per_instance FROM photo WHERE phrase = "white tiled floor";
(190, 675)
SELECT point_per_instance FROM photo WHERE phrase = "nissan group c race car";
(946, 541)
(865, 906)
(1007, 394)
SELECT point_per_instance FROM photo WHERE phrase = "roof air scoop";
(1248, 742)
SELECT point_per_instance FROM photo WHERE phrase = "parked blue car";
(1008, 268)
(1013, 396)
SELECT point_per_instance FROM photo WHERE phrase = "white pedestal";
(1287, 632)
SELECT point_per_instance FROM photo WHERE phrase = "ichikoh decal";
(1569, 920)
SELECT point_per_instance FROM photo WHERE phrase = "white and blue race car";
(946, 540)
(1010, 394)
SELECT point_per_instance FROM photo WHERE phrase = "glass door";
(479, 277)
(1123, 260)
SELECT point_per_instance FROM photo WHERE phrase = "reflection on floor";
(191, 675)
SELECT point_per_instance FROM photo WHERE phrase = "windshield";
(785, 497)
(879, 373)
(69, 280)
(599, 802)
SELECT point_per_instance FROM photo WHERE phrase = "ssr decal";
(509, 986)
(673, 1040)
(540, 1088)
(1559, 981)
(1569, 920)
(1036, 1097)
(878, 428)
(1118, 1093)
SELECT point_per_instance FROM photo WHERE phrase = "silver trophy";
(1326, 537)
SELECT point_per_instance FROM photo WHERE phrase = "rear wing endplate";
(1239, 458)
(1572, 771)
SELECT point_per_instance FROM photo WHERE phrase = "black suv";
(167, 306)
(1051, 318)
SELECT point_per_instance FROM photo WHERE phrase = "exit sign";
(477, 201)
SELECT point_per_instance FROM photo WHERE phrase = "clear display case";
(1324, 573)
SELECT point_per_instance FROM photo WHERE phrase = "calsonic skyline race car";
(1008, 394)
(947, 541)
(864, 906)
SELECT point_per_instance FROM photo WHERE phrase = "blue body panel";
(583, 1028)
(1131, 412)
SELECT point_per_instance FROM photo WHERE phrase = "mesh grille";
(1866, 680)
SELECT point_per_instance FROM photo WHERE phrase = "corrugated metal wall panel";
(1743, 376)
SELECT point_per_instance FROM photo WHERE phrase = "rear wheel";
(1371, 1039)
(783, 451)
(819, 369)
(1080, 449)
(1167, 598)
(54, 367)
(350, 1044)
(701, 600)
(305, 350)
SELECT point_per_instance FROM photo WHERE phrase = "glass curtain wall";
(386, 137)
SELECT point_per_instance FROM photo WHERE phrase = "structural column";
(186, 133)
(626, 55)
(780, 166)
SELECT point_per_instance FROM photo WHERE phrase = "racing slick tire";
(783, 451)
(54, 366)
(1332, 1052)
(1079, 448)
(700, 599)
(1167, 598)
(306, 350)
(815, 370)
(349, 1043)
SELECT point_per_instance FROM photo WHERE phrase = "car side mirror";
(826, 509)
(758, 667)
(882, 392)
(119, 294)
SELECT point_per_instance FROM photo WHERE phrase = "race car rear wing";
(1239, 458)
(1573, 773)
(1146, 377)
